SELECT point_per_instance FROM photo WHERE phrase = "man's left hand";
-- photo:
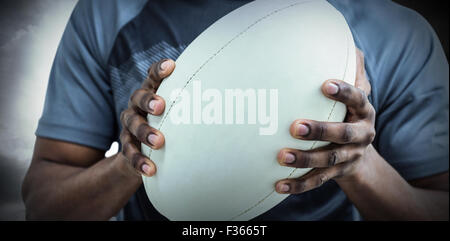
(350, 140)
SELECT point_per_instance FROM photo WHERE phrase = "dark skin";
(67, 181)
(376, 189)
(70, 181)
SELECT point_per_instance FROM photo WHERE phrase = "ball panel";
(194, 167)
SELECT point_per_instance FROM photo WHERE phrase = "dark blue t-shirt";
(108, 45)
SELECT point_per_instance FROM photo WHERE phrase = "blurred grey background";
(29, 36)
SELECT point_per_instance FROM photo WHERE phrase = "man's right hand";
(135, 128)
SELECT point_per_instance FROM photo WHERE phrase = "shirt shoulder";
(79, 105)
(381, 21)
(100, 21)
(397, 43)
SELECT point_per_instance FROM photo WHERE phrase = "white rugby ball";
(234, 93)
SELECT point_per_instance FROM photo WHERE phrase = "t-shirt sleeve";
(79, 103)
(412, 98)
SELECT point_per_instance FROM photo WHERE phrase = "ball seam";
(211, 58)
(312, 147)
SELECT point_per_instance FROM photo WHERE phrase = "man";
(97, 94)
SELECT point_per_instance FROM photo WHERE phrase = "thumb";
(361, 82)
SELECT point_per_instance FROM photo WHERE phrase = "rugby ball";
(231, 99)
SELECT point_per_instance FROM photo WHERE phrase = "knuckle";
(322, 178)
(130, 103)
(333, 158)
(135, 95)
(358, 155)
(322, 130)
(143, 131)
(136, 161)
(152, 85)
(145, 100)
(305, 159)
(131, 119)
(298, 186)
(370, 136)
(154, 75)
(347, 134)
(123, 135)
(127, 149)
(124, 116)
(318, 130)
(148, 82)
(373, 134)
(371, 113)
(344, 92)
(363, 98)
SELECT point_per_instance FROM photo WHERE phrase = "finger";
(335, 132)
(137, 160)
(157, 72)
(312, 180)
(147, 101)
(361, 79)
(137, 125)
(322, 157)
(354, 98)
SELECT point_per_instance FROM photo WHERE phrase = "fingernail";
(152, 105)
(164, 65)
(301, 130)
(332, 88)
(283, 187)
(146, 169)
(289, 158)
(152, 139)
